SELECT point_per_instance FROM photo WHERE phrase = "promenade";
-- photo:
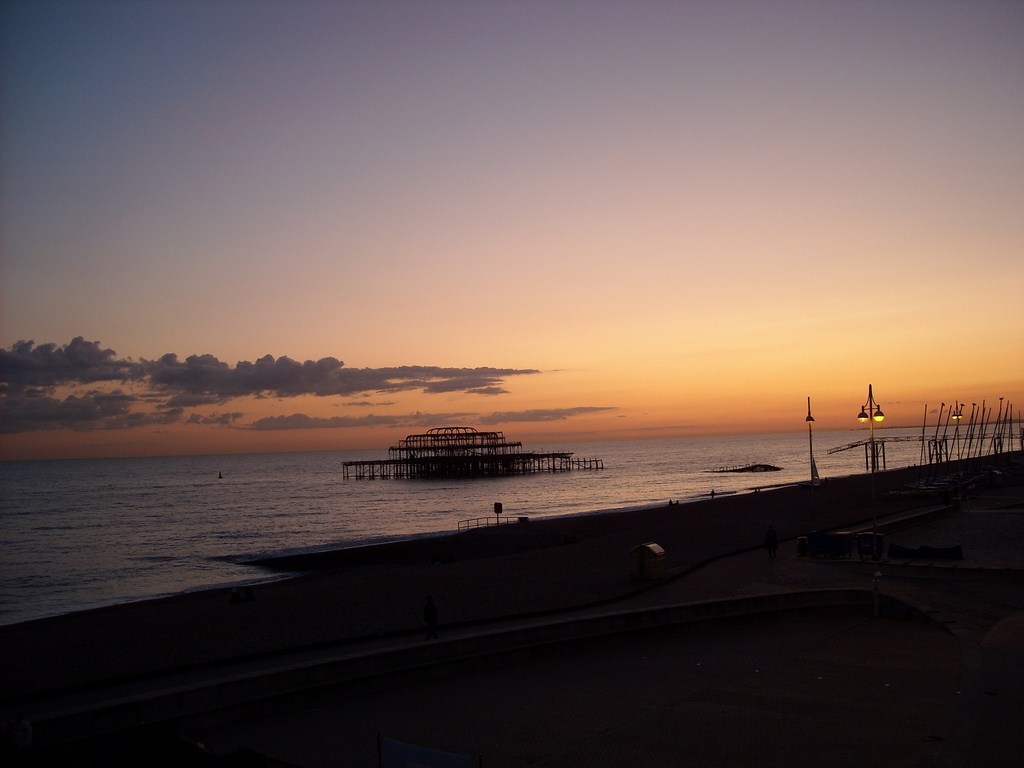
(945, 690)
(784, 661)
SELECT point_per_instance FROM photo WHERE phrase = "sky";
(268, 225)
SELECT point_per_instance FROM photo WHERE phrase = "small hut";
(646, 561)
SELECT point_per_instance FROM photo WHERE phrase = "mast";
(997, 433)
(924, 427)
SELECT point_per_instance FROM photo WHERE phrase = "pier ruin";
(462, 452)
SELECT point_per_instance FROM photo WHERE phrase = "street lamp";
(956, 416)
(810, 448)
(810, 443)
(871, 412)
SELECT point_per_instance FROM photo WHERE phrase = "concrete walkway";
(839, 690)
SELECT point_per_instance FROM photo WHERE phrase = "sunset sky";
(564, 220)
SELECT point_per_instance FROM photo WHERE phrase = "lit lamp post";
(956, 415)
(810, 442)
(870, 412)
(810, 448)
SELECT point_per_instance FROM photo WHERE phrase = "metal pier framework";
(445, 452)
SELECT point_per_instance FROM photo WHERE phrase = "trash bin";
(865, 545)
(840, 544)
(879, 544)
(817, 544)
(801, 546)
(646, 561)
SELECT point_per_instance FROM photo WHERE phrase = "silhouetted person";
(18, 741)
(771, 541)
(236, 596)
(430, 616)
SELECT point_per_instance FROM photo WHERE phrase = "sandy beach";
(516, 570)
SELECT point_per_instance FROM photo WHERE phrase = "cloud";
(488, 391)
(220, 419)
(33, 412)
(30, 376)
(25, 366)
(206, 376)
(541, 414)
(302, 421)
(428, 420)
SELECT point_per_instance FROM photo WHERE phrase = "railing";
(435, 466)
(488, 522)
(859, 443)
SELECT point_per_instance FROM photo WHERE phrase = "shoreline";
(279, 560)
(211, 538)
(513, 538)
(329, 558)
(325, 551)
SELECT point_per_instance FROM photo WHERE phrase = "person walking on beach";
(430, 616)
(771, 542)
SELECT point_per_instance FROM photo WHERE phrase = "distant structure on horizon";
(456, 452)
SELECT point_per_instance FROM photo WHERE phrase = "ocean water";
(92, 532)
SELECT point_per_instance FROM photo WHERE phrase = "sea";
(85, 533)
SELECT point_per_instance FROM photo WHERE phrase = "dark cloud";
(187, 400)
(488, 391)
(428, 420)
(541, 414)
(30, 376)
(302, 421)
(206, 376)
(80, 413)
(220, 419)
(477, 380)
(25, 366)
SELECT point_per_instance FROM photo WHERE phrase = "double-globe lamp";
(871, 412)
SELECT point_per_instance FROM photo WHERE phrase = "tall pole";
(871, 431)
(810, 439)
(872, 413)
(810, 449)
